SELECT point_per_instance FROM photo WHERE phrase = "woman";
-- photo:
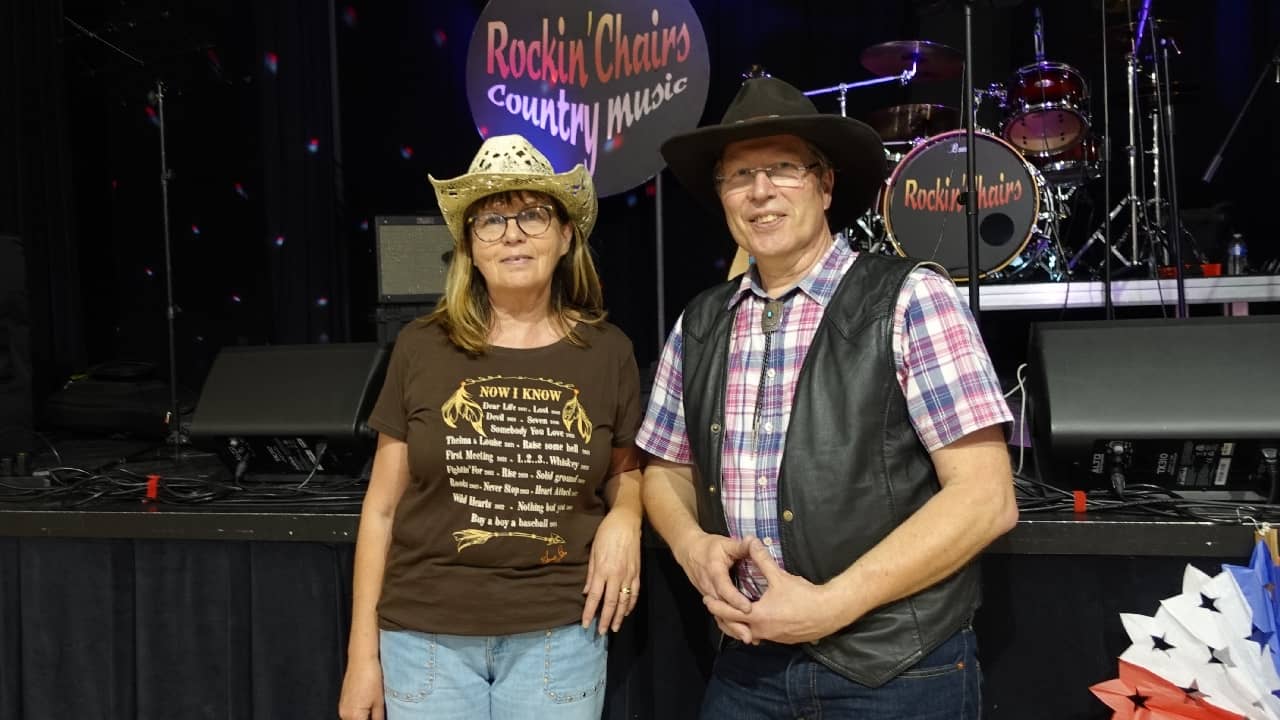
(506, 486)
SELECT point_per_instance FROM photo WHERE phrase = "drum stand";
(1132, 201)
(1141, 225)
(1147, 218)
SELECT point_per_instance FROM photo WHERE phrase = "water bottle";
(1237, 255)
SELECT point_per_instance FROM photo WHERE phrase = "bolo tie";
(770, 318)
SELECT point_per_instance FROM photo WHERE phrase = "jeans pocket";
(408, 664)
(955, 655)
(574, 668)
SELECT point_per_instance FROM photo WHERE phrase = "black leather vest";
(853, 468)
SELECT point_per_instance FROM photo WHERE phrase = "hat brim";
(852, 146)
(572, 189)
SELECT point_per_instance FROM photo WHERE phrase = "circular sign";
(598, 83)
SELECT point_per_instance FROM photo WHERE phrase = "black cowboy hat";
(768, 106)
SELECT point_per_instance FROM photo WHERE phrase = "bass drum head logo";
(602, 84)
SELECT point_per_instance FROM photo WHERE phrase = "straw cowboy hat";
(508, 163)
(767, 106)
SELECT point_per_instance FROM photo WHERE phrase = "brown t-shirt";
(507, 455)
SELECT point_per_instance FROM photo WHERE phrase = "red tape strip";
(153, 487)
(1079, 500)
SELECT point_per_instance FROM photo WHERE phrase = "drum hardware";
(1097, 237)
(844, 88)
(1148, 214)
(1133, 201)
(995, 91)
(899, 61)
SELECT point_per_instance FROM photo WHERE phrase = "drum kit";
(1029, 162)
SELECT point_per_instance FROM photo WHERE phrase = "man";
(826, 433)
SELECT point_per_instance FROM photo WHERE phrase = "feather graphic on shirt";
(472, 536)
(574, 414)
(461, 405)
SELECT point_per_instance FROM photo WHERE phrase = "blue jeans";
(552, 674)
(772, 681)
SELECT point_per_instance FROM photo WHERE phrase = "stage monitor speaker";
(1186, 404)
(413, 256)
(291, 408)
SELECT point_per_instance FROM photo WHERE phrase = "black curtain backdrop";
(111, 629)
(291, 126)
(301, 172)
(36, 200)
(229, 630)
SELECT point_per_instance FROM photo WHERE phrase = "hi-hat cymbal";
(917, 120)
(933, 61)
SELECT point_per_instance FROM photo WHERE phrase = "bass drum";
(924, 216)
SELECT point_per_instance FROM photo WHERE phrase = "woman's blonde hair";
(464, 311)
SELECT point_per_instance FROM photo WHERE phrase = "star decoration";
(1219, 656)
(1139, 700)
(1193, 691)
(1208, 603)
(1260, 636)
(1159, 643)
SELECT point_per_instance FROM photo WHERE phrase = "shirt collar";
(819, 283)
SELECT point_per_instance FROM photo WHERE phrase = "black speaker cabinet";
(1186, 404)
(413, 255)
(291, 408)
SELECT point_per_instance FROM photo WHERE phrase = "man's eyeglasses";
(491, 226)
(783, 174)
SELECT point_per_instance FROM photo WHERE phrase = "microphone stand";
(1108, 308)
(1217, 157)
(970, 192)
(173, 419)
(1164, 91)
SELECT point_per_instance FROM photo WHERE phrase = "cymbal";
(1131, 26)
(933, 61)
(916, 120)
(1122, 33)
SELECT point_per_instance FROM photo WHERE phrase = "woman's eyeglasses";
(491, 226)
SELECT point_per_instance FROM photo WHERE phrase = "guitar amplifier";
(413, 253)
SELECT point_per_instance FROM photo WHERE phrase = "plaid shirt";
(943, 368)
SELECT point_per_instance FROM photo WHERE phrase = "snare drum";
(1048, 109)
(924, 218)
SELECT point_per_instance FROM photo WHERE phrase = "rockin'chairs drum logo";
(602, 84)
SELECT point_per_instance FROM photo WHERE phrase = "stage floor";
(1082, 294)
